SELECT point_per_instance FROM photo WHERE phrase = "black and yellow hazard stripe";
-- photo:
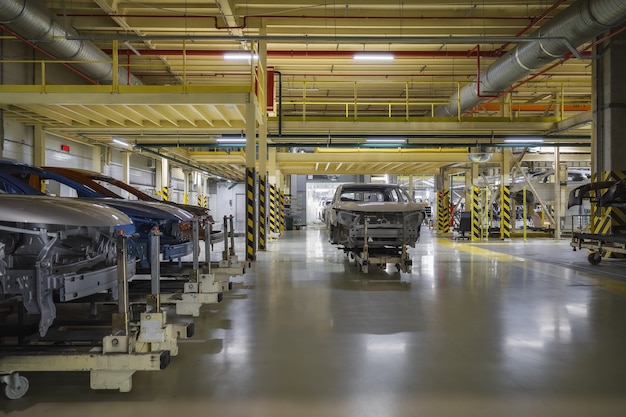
(200, 200)
(205, 201)
(185, 198)
(505, 212)
(165, 193)
(250, 235)
(262, 226)
(273, 228)
(281, 212)
(610, 220)
(476, 235)
(443, 211)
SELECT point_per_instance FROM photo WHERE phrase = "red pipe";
(477, 49)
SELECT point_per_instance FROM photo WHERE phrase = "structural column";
(250, 179)
(443, 203)
(96, 158)
(262, 101)
(39, 146)
(505, 194)
(476, 223)
(162, 179)
(608, 150)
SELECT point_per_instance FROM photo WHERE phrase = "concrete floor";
(489, 329)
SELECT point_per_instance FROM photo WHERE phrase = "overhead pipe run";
(39, 26)
(580, 23)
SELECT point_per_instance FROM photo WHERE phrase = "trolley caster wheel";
(16, 386)
(594, 258)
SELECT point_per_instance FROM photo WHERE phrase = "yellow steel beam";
(98, 94)
(376, 156)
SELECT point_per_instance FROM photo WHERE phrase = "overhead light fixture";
(120, 142)
(372, 56)
(522, 140)
(478, 154)
(240, 56)
(230, 140)
(385, 140)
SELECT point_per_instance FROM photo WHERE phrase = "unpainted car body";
(382, 215)
(61, 248)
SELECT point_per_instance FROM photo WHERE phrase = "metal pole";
(232, 236)
(120, 326)
(153, 304)
(195, 239)
(524, 210)
(208, 229)
(225, 227)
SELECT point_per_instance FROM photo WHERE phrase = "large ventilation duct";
(581, 22)
(33, 22)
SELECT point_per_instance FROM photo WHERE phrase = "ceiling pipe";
(533, 23)
(312, 54)
(245, 19)
(581, 22)
(41, 27)
(37, 48)
(547, 69)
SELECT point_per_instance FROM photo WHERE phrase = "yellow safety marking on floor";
(475, 250)
(608, 284)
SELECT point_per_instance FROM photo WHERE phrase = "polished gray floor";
(490, 329)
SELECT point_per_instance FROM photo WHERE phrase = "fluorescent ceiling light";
(365, 56)
(240, 56)
(523, 140)
(386, 140)
(120, 142)
(230, 140)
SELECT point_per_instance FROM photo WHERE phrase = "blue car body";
(145, 215)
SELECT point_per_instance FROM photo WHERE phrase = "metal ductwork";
(30, 20)
(580, 23)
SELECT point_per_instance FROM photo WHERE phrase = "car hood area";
(379, 207)
(56, 210)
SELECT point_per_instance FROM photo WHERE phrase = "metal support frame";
(126, 350)
(199, 290)
(381, 257)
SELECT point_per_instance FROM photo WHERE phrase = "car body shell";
(173, 222)
(95, 180)
(55, 248)
(381, 215)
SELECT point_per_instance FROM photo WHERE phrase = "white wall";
(226, 204)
